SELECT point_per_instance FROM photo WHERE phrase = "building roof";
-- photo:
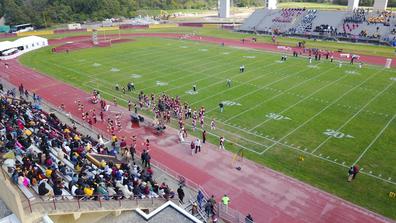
(168, 212)
(5, 45)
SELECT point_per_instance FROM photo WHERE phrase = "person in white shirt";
(222, 143)
(197, 145)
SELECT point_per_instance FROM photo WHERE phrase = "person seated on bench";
(43, 189)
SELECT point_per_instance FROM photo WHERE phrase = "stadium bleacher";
(48, 159)
(359, 24)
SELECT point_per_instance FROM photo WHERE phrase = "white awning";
(21, 42)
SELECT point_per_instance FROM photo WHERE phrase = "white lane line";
(354, 115)
(374, 140)
(320, 112)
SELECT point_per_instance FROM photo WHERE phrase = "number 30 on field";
(336, 134)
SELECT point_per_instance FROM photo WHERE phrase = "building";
(13, 49)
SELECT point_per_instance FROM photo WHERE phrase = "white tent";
(23, 45)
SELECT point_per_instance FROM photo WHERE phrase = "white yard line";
(242, 84)
(117, 57)
(195, 73)
(320, 112)
(94, 75)
(301, 100)
(143, 63)
(282, 144)
(235, 143)
(354, 115)
(374, 140)
(183, 57)
(176, 57)
(262, 87)
(275, 96)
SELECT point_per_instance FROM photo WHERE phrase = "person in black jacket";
(180, 194)
(42, 189)
(57, 189)
(248, 219)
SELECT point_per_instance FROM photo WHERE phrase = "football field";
(275, 111)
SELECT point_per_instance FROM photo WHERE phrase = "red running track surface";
(268, 195)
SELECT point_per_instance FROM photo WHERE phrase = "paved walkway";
(268, 195)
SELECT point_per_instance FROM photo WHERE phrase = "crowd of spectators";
(358, 16)
(288, 14)
(349, 27)
(324, 28)
(306, 23)
(53, 159)
(383, 18)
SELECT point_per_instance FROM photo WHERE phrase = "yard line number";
(336, 134)
(277, 117)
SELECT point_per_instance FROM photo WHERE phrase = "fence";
(71, 203)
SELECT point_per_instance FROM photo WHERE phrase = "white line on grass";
(237, 144)
(183, 57)
(282, 144)
(252, 92)
(298, 102)
(354, 115)
(278, 95)
(374, 140)
(142, 64)
(91, 76)
(150, 63)
(195, 73)
(320, 112)
(229, 89)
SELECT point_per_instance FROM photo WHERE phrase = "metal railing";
(65, 204)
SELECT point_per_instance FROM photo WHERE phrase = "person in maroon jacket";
(352, 172)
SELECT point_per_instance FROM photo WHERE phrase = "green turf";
(358, 48)
(307, 99)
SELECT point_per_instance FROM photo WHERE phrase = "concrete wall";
(12, 198)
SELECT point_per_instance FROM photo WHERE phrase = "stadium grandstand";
(356, 24)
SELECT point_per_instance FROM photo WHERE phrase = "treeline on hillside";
(48, 12)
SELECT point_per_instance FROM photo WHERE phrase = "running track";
(268, 195)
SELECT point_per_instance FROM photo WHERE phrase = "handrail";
(69, 203)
